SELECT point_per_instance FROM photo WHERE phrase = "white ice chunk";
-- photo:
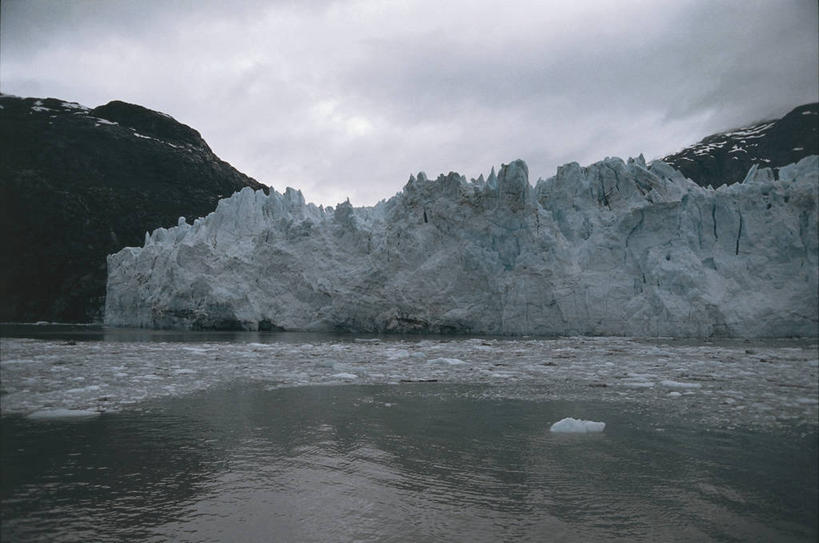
(62, 414)
(638, 384)
(677, 384)
(577, 426)
(395, 354)
(450, 361)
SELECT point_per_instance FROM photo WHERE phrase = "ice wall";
(615, 248)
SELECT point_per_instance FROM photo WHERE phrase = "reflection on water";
(412, 462)
(98, 332)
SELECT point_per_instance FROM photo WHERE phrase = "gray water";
(277, 437)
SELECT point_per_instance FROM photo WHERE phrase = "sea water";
(112, 435)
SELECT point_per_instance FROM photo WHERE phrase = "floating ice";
(344, 375)
(677, 384)
(450, 361)
(638, 384)
(110, 376)
(44, 414)
(577, 426)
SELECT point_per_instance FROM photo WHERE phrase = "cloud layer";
(346, 99)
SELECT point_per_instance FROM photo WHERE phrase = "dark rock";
(725, 158)
(78, 184)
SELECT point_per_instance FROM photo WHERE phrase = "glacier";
(621, 248)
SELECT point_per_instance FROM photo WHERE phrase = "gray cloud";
(347, 98)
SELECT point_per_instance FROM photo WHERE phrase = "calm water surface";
(285, 444)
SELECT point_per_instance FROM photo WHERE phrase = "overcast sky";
(346, 99)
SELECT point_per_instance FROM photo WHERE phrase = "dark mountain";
(726, 157)
(77, 184)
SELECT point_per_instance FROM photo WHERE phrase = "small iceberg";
(677, 384)
(450, 361)
(577, 426)
(344, 375)
(45, 414)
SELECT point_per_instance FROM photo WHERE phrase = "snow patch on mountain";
(615, 248)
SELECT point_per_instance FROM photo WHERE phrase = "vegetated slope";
(726, 157)
(77, 184)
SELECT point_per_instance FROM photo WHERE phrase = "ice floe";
(62, 414)
(762, 382)
(577, 426)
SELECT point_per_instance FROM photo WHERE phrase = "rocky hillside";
(722, 159)
(77, 184)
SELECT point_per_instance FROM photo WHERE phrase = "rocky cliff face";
(616, 248)
(726, 157)
(77, 184)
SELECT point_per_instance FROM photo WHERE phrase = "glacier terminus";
(619, 248)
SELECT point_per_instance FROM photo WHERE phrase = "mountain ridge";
(78, 183)
(725, 157)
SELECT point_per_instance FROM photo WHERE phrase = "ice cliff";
(615, 248)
